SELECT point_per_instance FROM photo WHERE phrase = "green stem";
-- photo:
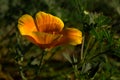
(21, 67)
(41, 61)
(22, 74)
(87, 47)
(76, 72)
(82, 57)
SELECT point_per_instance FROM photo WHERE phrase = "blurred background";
(98, 20)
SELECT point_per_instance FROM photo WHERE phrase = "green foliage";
(96, 59)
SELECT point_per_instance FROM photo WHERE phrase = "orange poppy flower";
(47, 31)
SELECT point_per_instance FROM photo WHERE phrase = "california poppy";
(47, 31)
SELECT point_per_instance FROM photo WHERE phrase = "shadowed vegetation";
(97, 58)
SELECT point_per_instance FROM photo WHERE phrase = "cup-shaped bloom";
(46, 31)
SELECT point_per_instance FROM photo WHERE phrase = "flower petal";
(26, 25)
(71, 36)
(46, 40)
(32, 38)
(48, 23)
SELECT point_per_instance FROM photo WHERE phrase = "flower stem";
(82, 56)
(41, 62)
